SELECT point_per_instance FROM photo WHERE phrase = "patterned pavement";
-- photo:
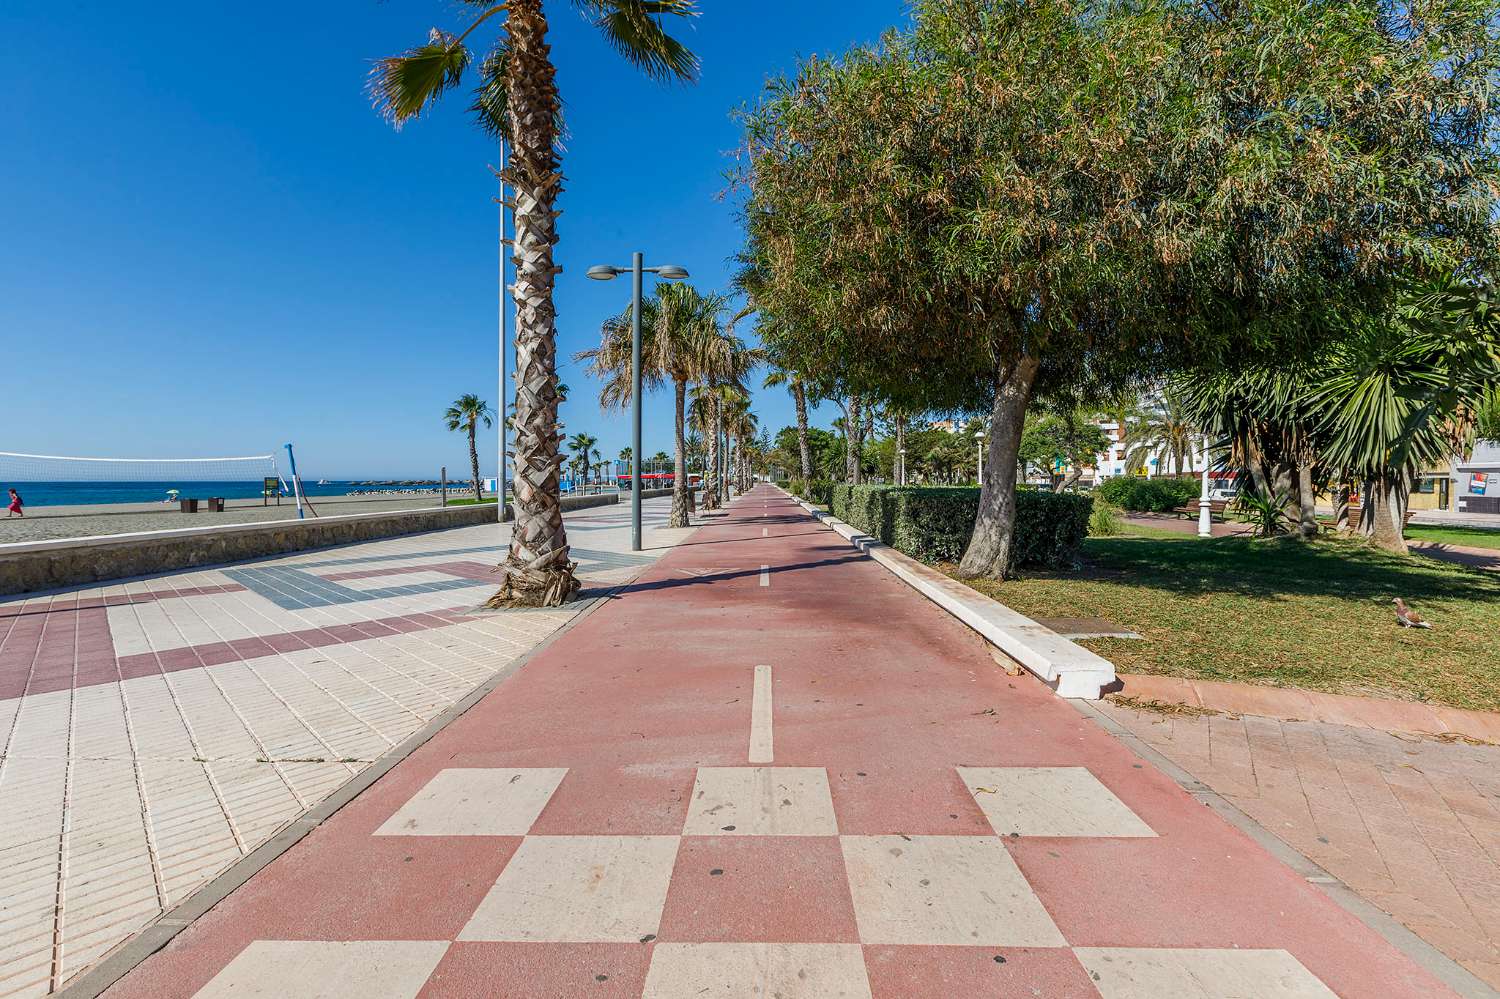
(1410, 823)
(768, 768)
(154, 731)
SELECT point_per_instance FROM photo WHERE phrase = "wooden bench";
(1216, 508)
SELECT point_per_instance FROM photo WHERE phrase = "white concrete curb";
(1067, 667)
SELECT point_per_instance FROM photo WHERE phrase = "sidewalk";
(768, 768)
(154, 731)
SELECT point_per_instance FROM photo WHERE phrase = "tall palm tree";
(582, 446)
(466, 413)
(516, 100)
(681, 342)
(798, 387)
(1165, 433)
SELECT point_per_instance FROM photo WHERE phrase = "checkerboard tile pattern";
(766, 839)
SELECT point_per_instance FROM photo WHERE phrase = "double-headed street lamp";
(667, 272)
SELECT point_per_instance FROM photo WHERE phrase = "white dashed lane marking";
(760, 717)
(765, 575)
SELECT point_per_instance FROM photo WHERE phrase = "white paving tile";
(761, 801)
(1150, 973)
(476, 802)
(370, 969)
(1050, 801)
(578, 889)
(943, 890)
(757, 971)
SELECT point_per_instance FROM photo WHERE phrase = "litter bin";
(216, 504)
(188, 505)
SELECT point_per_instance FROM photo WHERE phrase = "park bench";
(1216, 508)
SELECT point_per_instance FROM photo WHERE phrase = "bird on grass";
(1408, 618)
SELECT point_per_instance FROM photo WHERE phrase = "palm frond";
(491, 104)
(634, 29)
(402, 86)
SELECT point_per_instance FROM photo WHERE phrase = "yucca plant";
(516, 100)
(1266, 513)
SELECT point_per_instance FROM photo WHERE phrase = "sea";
(75, 493)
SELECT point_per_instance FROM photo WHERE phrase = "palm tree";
(681, 342)
(798, 387)
(466, 413)
(582, 446)
(1165, 433)
(516, 100)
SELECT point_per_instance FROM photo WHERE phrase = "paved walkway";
(1411, 824)
(768, 768)
(154, 731)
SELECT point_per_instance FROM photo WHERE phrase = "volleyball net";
(17, 467)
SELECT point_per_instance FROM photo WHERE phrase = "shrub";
(1105, 521)
(1148, 495)
(934, 524)
(816, 491)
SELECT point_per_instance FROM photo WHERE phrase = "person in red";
(15, 505)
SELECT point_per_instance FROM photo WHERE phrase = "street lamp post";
(979, 468)
(637, 269)
(1205, 505)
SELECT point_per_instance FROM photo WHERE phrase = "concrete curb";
(1293, 704)
(1440, 965)
(153, 937)
(1068, 668)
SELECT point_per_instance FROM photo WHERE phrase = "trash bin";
(216, 504)
(188, 505)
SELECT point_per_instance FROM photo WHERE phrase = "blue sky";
(213, 246)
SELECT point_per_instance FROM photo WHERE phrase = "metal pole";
(296, 483)
(445, 485)
(504, 416)
(1205, 505)
(636, 266)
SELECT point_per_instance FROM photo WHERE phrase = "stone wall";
(48, 565)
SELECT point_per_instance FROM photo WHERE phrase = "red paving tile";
(759, 889)
(873, 684)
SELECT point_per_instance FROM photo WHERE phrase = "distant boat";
(323, 482)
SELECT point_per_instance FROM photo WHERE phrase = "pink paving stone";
(768, 889)
(531, 971)
(617, 801)
(887, 799)
(973, 973)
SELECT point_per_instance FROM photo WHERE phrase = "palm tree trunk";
(1341, 509)
(679, 468)
(711, 470)
(474, 463)
(1307, 521)
(989, 550)
(799, 394)
(536, 571)
(1384, 518)
(900, 469)
(851, 429)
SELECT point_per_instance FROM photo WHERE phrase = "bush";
(1105, 521)
(1148, 495)
(935, 524)
(816, 491)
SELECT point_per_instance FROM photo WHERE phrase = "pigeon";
(1408, 618)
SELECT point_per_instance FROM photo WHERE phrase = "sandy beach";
(46, 523)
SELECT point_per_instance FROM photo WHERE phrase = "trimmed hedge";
(935, 524)
(1148, 495)
(815, 491)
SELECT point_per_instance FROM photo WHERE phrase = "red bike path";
(887, 815)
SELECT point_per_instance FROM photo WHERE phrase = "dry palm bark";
(537, 571)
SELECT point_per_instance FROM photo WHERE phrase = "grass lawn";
(471, 501)
(1467, 537)
(1281, 612)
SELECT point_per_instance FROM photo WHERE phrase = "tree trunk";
(990, 546)
(1341, 509)
(536, 571)
(1307, 496)
(474, 464)
(799, 394)
(711, 468)
(1385, 512)
(679, 469)
(900, 469)
(853, 438)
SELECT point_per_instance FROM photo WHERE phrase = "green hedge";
(1148, 495)
(815, 491)
(934, 524)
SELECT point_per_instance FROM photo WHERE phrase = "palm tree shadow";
(672, 584)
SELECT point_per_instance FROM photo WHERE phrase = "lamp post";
(901, 470)
(637, 269)
(979, 468)
(1205, 505)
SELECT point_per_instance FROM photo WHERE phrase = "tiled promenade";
(154, 731)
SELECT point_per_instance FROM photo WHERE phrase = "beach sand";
(46, 523)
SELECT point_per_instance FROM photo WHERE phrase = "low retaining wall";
(49, 565)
